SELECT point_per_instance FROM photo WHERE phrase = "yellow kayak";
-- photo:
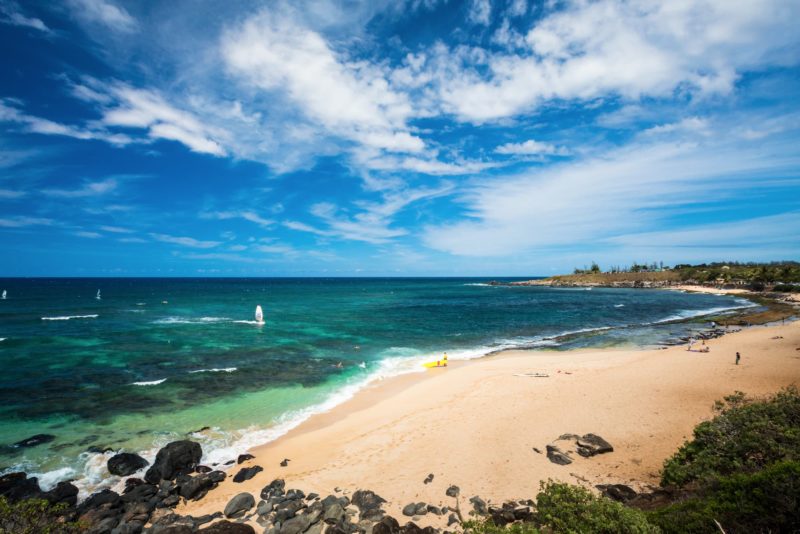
(437, 363)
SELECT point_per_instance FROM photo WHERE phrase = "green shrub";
(767, 501)
(787, 288)
(34, 516)
(565, 508)
(745, 437)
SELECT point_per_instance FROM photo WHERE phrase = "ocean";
(155, 360)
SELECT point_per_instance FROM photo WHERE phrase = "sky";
(395, 137)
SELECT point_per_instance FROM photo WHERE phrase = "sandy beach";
(475, 424)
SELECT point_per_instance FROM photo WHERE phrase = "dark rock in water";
(244, 458)
(591, 444)
(132, 482)
(428, 479)
(33, 441)
(64, 492)
(199, 430)
(617, 492)
(202, 469)
(97, 450)
(368, 504)
(226, 527)
(285, 462)
(387, 525)
(17, 486)
(453, 491)
(273, 489)
(197, 486)
(479, 505)
(239, 505)
(246, 473)
(125, 463)
(173, 458)
(410, 509)
(557, 456)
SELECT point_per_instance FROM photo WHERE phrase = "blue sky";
(417, 137)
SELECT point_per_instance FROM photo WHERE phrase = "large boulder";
(369, 505)
(64, 492)
(557, 456)
(17, 486)
(387, 525)
(300, 523)
(239, 505)
(172, 459)
(125, 463)
(197, 486)
(591, 444)
(246, 473)
(273, 489)
(226, 527)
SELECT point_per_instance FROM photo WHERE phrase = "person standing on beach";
(738, 357)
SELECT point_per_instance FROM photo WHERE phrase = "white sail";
(98, 295)
(259, 314)
(4, 294)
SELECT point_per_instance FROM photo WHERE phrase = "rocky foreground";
(146, 505)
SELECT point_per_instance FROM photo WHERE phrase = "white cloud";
(373, 222)
(606, 48)
(105, 13)
(116, 229)
(89, 189)
(597, 198)
(238, 214)
(517, 8)
(184, 241)
(22, 221)
(532, 148)
(140, 108)
(689, 124)
(10, 13)
(11, 194)
(88, 235)
(480, 12)
(275, 53)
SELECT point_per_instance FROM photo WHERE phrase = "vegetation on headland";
(739, 473)
(780, 276)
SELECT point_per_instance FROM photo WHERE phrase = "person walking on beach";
(738, 357)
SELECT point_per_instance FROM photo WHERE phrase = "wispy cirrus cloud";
(247, 215)
(88, 189)
(531, 147)
(21, 221)
(104, 13)
(184, 241)
(11, 13)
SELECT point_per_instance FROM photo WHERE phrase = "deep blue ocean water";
(155, 359)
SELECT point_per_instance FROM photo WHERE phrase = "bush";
(787, 288)
(566, 508)
(767, 501)
(744, 437)
(34, 516)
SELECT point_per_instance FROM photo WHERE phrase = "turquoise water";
(155, 359)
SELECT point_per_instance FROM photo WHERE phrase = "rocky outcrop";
(238, 505)
(174, 458)
(246, 473)
(125, 463)
(17, 486)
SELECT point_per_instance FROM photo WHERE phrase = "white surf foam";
(191, 320)
(215, 370)
(3, 338)
(691, 314)
(68, 317)
(150, 383)
(619, 305)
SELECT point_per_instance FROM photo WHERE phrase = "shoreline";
(455, 423)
